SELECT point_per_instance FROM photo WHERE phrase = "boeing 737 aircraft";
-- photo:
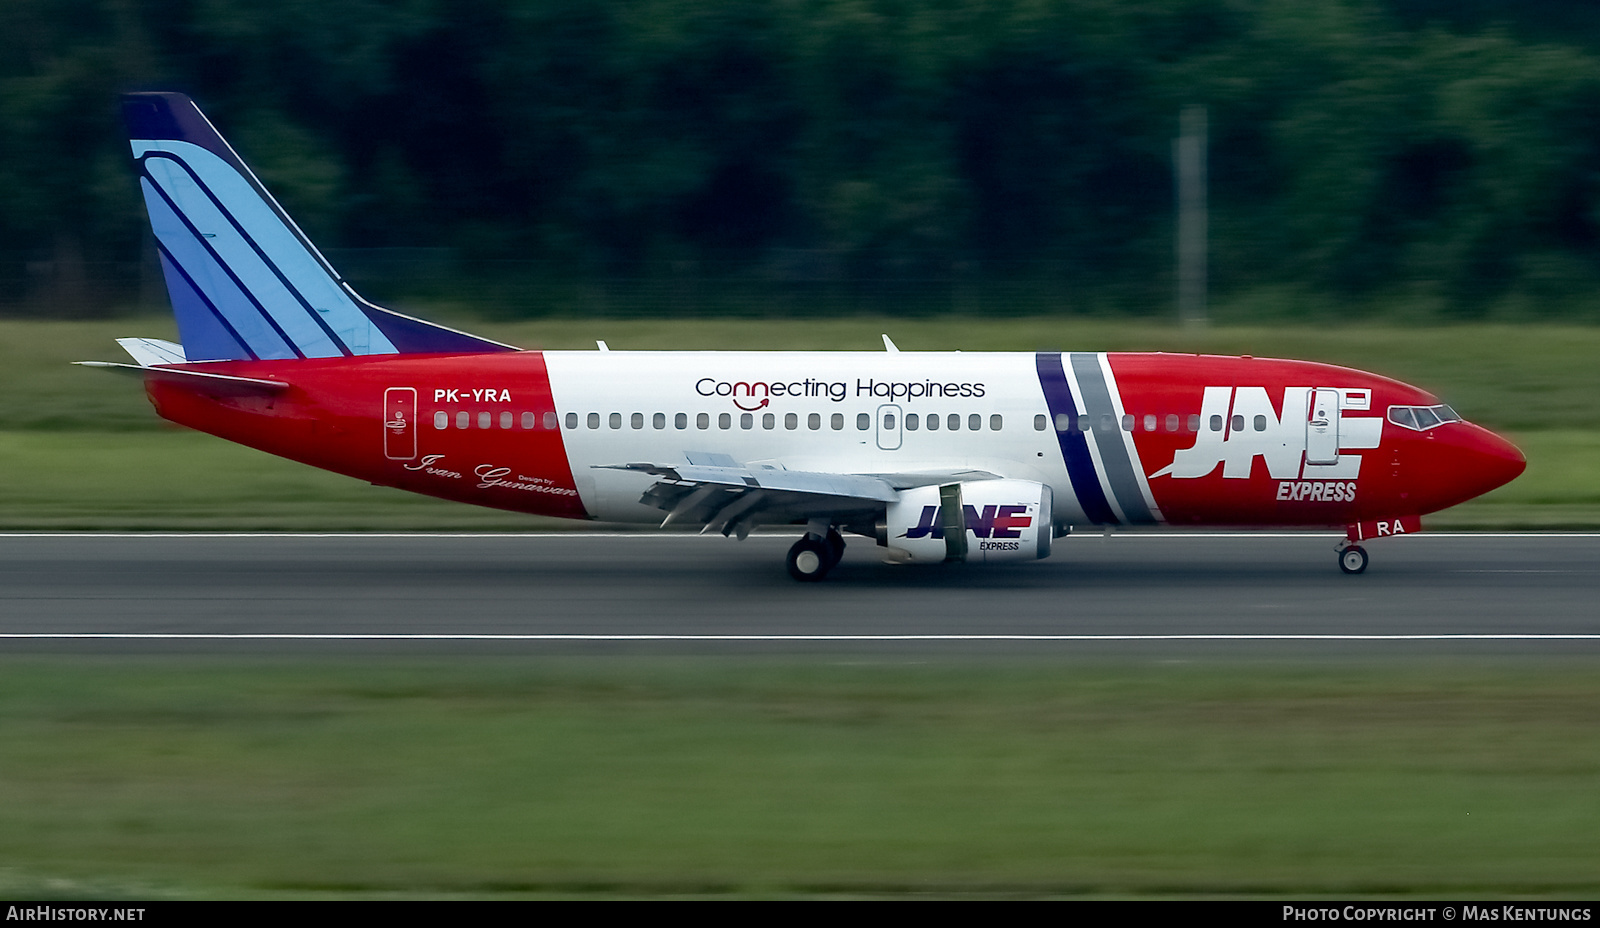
(937, 456)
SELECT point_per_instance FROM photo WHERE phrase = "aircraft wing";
(730, 497)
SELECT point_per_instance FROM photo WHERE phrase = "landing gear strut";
(835, 546)
(812, 557)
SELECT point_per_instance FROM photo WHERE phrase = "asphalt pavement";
(1152, 593)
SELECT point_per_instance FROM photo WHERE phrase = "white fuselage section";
(832, 412)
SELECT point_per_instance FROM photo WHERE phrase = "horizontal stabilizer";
(148, 351)
(212, 384)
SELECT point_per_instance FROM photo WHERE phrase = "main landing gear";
(813, 556)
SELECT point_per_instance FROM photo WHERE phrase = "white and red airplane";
(938, 456)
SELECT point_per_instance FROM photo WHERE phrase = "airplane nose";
(1502, 462)
(1479, 461)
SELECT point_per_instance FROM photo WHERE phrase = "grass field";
(181, 480)
(82, 449)
(380, 775)
(1517, 378)
(665, 776)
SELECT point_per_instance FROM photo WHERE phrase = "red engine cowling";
(1001, 520)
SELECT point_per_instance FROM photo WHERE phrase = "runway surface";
(1459, 593)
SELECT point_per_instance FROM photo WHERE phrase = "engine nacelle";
(1001, 520)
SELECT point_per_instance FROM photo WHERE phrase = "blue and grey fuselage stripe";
(1111, 443)
(1074, 448)
(1114, 478)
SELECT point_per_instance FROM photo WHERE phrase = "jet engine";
(979, 520)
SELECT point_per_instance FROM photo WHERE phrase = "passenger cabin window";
(702, 420)
(572, 420)
(863, 421)
(463, 419)
(528, 420)
(659, 420)
(888, 421)
(1063, 422)
(768, 420)
(1260, 423)
(594, 420)
(725, 421)
(616, 420)
(837, 422)
(933, 422)
(1127, 423)
(791, 421)
(505, 420)
(974, 422)
(550, 421)
(746, 421)
(1039, 422)
(954, 422)
(1216, 423)
(681, 421)
(996, 422)
(1172, 423)
(1237, 424)
(441, 420)
(814, 421)
(912, 421)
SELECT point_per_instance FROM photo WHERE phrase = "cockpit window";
(1422, 418)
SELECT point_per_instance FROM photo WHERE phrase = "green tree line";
(1358, 148)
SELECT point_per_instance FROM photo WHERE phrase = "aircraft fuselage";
(1120, 438)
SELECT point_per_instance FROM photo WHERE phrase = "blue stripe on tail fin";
(245, 282)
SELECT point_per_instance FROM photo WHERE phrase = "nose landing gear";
(1352, 559)
(813, 556)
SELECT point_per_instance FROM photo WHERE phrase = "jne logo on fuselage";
(1306, 441)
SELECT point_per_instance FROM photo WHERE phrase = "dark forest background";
(1438, 159)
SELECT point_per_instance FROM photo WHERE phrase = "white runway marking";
(378, 636)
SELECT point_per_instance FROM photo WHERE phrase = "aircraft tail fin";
(245, 281)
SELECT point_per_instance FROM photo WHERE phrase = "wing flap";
(809, 483)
